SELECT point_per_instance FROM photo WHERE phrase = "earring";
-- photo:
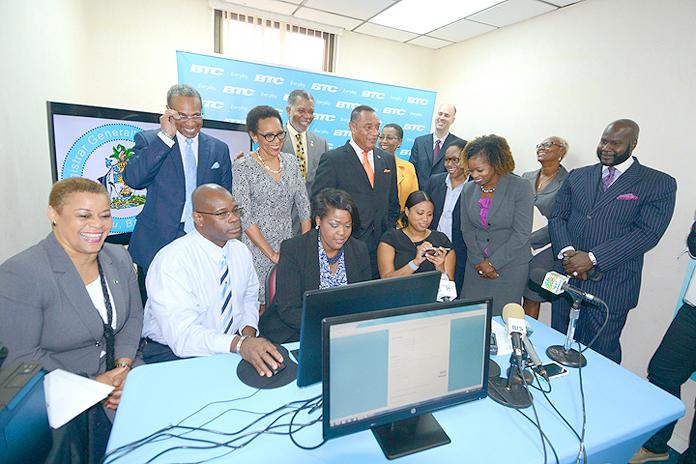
(54, 223)
(317, 227)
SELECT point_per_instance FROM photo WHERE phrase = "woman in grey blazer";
(496, 224)
(546, 182)
(53, 304)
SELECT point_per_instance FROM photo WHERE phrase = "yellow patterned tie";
(301, 156)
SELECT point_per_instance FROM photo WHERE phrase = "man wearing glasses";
(203, 290)
(170, 163)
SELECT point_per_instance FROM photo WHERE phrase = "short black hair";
(397, 128)
(496, 151)
(258, 113)
(330, 198)
(356, 114)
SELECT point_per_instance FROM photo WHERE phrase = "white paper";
(501, 338)
(68, 394)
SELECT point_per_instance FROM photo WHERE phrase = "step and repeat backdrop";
(230, 88)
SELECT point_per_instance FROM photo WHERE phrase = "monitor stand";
(410, 435)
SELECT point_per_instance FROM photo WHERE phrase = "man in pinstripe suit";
(605, 218)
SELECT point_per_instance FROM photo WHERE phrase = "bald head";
(619, 139)
(444, 119)
(207, 193)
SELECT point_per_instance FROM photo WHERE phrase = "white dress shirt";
(445, 224)
(184, 308)
(359, 153)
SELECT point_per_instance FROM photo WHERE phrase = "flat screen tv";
(389, 370)
(95, 142)
(359, 297)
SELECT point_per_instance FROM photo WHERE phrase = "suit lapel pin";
(115, 281)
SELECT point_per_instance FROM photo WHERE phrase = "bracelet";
(413, 265)
(123, 364)
(239, 343)
(167, 135)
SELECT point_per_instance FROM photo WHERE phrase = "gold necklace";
(280, 160)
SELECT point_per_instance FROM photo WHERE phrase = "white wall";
(567, 73)
(570, 73)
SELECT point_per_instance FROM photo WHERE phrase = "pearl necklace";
(280, 167)
(487, 191)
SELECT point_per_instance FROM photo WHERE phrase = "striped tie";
(226, 295)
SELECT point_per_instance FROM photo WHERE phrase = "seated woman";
(496, 224)
(415, 248)
(72, 302)
(324, 257)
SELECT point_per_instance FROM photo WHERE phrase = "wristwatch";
(592, 258)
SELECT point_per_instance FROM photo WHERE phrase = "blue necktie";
(225, 295)
(190, 175)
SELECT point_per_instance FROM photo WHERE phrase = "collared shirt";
(620, 169)
(442, 141)
(451, 197)
(181, 140)
(184, 308)
(292, 133)
(359, 152)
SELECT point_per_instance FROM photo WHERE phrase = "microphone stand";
(565, 354)
(506, 391)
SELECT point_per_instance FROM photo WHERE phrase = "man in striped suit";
(604, 219)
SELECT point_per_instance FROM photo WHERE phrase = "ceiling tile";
(461, 30)
(327, 18)
(430, 42)
(562, 2)
(421, 16)
(361, 9)
(385, 32)
(265, 5)
(512, 11)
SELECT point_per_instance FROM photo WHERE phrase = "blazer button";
(97, 344)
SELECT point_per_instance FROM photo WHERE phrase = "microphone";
(513, 316)
(557, 283)
(516, 311)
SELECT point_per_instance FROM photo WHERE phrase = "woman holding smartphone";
(415, 248)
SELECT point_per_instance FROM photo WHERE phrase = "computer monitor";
(95, 142)
(389, 370)
(354, 298)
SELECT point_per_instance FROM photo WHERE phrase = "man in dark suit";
(368, 174)
(170, 164)
(306, 145)
(604, 219)
(428, 152)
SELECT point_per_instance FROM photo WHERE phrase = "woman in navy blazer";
(325, 256)
(53, 306)
(496, 224)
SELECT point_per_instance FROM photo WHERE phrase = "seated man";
(203, 290)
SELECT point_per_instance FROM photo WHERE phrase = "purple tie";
(437, 150)
(608, 178)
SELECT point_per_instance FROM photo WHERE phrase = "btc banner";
(230, 88)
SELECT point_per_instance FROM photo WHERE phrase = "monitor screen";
(354, 298)
(95, 142)
(384, 367)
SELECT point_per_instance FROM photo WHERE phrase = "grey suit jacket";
(544, 201)
(317, 146)
(46, 314)
(509, 222)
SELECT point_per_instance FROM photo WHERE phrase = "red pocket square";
(627, 196)
(387, 170)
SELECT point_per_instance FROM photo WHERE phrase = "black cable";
(582, 399)
(601, 329)
(538, 422)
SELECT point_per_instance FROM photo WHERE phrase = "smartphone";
(554, 370)
(434, 252)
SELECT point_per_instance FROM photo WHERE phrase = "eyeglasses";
(195, 117)
(548, 145)
(452, 160)
(388, 137)
(270, 137)
(237, 212)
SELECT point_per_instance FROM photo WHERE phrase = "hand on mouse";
(260, 353)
